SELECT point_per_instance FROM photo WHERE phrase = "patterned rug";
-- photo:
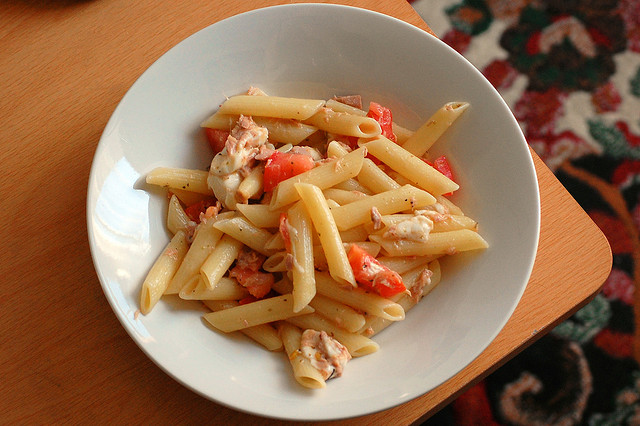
(570, 71)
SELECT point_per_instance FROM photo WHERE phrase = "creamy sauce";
(417, 228)
(230, 165)
(325, 353)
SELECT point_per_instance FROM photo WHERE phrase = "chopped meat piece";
(232, 163)
(247, 272)
(307, 150)
(351, 100)
(326, 354)
(423, 280)
(376, 218)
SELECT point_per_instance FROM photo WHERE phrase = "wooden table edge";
(600, 270)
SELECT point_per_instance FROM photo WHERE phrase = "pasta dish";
(318, 224)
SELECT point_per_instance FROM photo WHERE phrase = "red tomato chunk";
(384, 117)
(373, 275)
(282, 166)
(216, 138)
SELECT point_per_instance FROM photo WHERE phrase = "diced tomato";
(194, 210)
(283, 165)
(372, 274)
(217, 138)
(284, 231)
(384, 117)
(442, 165)
(258, 283)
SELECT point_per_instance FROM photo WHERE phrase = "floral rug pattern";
(570, 71)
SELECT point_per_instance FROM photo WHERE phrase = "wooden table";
(64, 356)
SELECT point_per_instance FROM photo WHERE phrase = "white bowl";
(314, 50)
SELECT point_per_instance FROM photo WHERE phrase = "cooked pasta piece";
(357, 344)
(344, 123)
(417, 171)
(260, 215)
(203, 244)
(359, 212)
(304, 281)
(187, 179)
(162, 271)
(420, 142)
(251, 314)
(245, 232)
(225, 289)
(218, 262)
(286, 131)
(304, 373)
(264, 334)
(440, 243)
(316, 206)
(271, 106)
(358, 299)
(177, 219)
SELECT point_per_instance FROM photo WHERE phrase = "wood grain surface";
(64, 356)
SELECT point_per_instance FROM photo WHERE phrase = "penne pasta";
(246, 233)
(338, 313)
(186, 179)
(341, 107)
(204, 242)
(344, 123)
(162, 271)
(251, 185)
(260, 215)
(220, 259)
(417, 171)
(286, 131)
(304, 281)
(375, 179)
(220, 121)
(277, 262)
(359, 212)
(225, 289)
(356, 298)
(420, 142)
(401, 133)
(374, 325)
(264, 334)
(404, 264)
(357, 344)
(438, 244)
(304, 373)
(271, 106)
(341, 196)
(441, 223)
(177, 219)
(251, 314)
(371, 176)
(188, 198)
(316, 206)
(352, 185)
